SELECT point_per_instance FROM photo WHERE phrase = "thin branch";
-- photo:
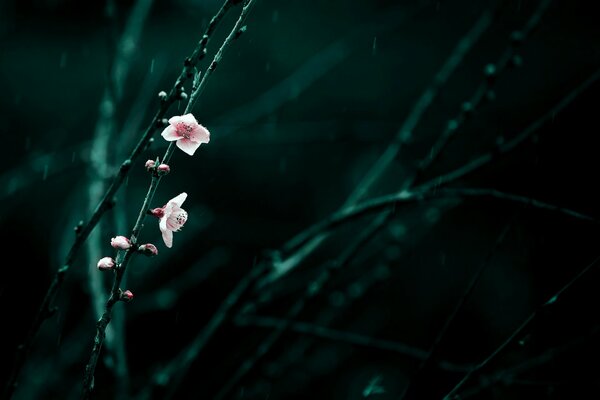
(435, 347)
(171, 375)
(100, 165)
(47, 309)
(352, 338)
(506, 147)
(518, 331)
(392, 150)
(312, 290)
(405, 198)
(479, 95)
(125, 257)
(506, 375)
(419, 108)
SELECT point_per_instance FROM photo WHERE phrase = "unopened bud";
(148, 249)
(149, 164)
(120, 242)
(126, 296)
(157, 212)
(106, 264)
(162, 95)
(183, 95)
(163, 169)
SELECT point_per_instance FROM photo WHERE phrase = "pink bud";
(126, 296)
(163, 169)
(106, 264)
(148, 249)
(158, 212)
(149, 164)
(120, 242)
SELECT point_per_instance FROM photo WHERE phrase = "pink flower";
(120, 242)
(126, 296)
(188, 133)
(172, 217)
(148, 249)
(106, 264)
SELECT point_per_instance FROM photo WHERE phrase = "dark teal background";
(299, 109)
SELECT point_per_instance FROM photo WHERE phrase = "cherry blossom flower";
(172, 218)
(188, 133)
(106, 264)
(120, 242)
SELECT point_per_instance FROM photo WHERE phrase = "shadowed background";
(299, 109)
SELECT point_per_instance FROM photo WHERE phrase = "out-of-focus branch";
(506, 376)
(99, 171)
(311, 291)
(403, 134)
(404, 198)
(452, 394)
(355, 339)
(435, 347)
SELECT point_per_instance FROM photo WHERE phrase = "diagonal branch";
(406, 198)
(403, 134)
(518, 331)
(356, 339)
(47, 309)
(124, 257)
(435, 347)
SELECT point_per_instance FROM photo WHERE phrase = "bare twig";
(356, 339)
(506, 375)
(403, 134)
(172, 374)
(518, 331)
(435, 347)
(480, 93)
(403, 198)
(311, 291)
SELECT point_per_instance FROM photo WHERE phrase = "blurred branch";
(420, 107)
(404, 198)
(46, 309)
(482, 92)
(173, 374)
(413, 118)
(311, 291)
(355, 339)
(452, 394)
(124, 257)
(100, 167)
(435, 347)
(506, 376)
(506, 147)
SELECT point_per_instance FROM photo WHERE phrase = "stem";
(517, 332)
(404, 198)
(435, 347)
(312, 290)
(102, 324)
(356, 339)
(123, 259)
(46, 309)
